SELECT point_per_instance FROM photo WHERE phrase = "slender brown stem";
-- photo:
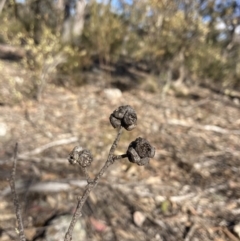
(15, 197)
(118, 157)
(82, 199)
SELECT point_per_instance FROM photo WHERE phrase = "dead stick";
(92, 184)
(20, 228)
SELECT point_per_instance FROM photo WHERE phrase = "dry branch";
(11, 52)
(45, 187)
(191, 233)
(20, 228)
(47, 146)
(90, 186)
(203, 127)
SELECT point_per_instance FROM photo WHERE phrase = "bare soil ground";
(190, 191)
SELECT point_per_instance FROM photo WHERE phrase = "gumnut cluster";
(81, 156)
(140, 151)
(124, 116)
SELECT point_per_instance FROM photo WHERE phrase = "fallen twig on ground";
(49, 145)
(203, 127)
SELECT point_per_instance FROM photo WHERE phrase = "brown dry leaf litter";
(190, 191)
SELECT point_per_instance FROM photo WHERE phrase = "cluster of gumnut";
(139, 151)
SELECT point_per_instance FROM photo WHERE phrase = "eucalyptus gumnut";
(124, 116)
(81, 156)
(140, 151)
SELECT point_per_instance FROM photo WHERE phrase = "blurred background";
(188, 41)
(66, 65)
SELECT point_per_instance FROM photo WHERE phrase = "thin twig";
(20, 228)
(203, 127)
(45, 187)
(49, 145)
(226, 231)
(82, 199)
(191, 232)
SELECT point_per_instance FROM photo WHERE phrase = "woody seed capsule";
(140, 151)
(124, 116)
(81, 156)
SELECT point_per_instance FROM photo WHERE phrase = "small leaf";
(165, 206)
(139, 218)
